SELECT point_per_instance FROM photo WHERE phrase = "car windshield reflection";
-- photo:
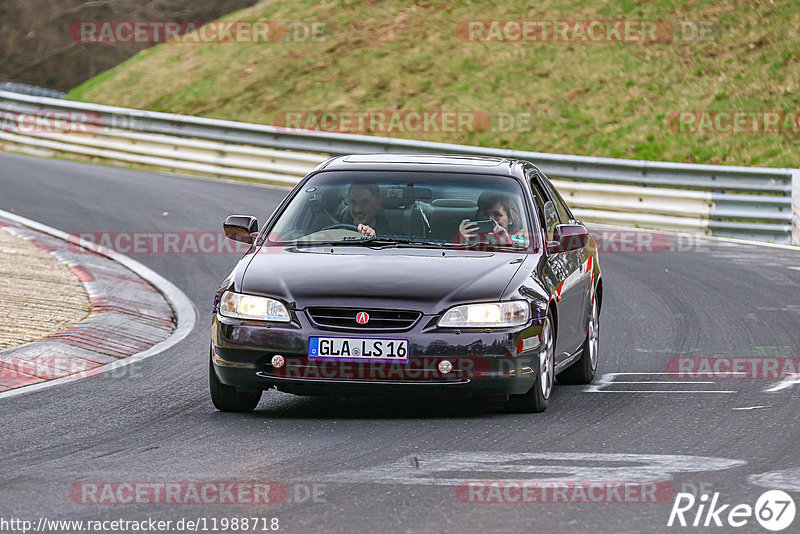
(382, 209)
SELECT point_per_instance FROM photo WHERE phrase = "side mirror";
(568, 237)
(241, 228)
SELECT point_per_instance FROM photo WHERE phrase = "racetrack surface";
(394, 465)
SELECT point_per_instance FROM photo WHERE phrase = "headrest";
(394, 202)
(484, 198)
(453, 203)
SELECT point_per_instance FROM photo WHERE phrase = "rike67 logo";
(774, 510)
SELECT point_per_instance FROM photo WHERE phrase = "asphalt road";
(395, 466)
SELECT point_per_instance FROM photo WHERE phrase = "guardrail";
(751, 203)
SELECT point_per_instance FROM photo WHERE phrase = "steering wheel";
(341, 226)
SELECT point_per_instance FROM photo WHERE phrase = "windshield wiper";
(405, 243)
(371, 242)
(308, 243)
(391, 241)
(493, 247)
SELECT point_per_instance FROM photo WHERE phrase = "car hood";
(426, 280)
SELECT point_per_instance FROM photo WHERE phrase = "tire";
(228, 398)
(583, 371)
(538, 398)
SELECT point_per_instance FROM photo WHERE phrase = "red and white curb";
(136, 313)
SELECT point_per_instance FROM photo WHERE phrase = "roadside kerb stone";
(128, 315)
(27, 294)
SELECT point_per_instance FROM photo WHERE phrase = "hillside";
(573, 95)
(38, 48)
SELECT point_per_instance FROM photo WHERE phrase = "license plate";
(358, 349)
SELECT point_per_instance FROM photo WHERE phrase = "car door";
(566, 270)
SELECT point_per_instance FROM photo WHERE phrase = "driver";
(366, 209)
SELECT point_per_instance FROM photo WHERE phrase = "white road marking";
(786, 383)
(601, 382)
(786, 479)
(663, 382)
(670, 351)
(609, 380)
(645, 374)
(674, 392)
(452, 468)
(752, 407)
(729, 373)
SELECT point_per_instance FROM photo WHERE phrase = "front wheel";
(538, 398)
(228, 398)
(583, 371)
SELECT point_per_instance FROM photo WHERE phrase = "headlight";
(492, 315)
(241, 306)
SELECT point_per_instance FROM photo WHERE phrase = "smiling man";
(365, 209)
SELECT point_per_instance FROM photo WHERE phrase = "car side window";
(563, 211)
(537, 197)
(548, 213)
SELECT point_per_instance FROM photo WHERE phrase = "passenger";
(366, 209)
(501, 209)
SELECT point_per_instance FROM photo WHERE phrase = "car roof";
(424, 162)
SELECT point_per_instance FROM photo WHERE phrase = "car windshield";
(406, 209)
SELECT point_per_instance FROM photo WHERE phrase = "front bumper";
(485, 363)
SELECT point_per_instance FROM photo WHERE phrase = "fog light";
(278, 361)
(445, 367)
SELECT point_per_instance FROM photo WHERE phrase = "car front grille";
(345, 319)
